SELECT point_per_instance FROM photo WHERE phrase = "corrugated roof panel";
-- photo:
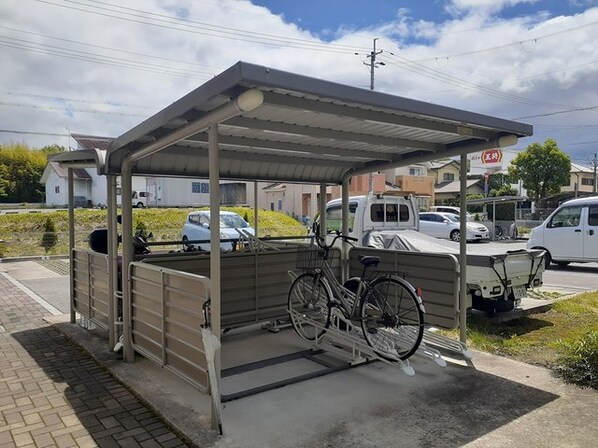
(307, 129)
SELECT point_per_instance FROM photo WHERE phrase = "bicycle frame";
(347, 299)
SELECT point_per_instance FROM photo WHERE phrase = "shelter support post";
(127, 258)
(71, 200)
(215, 297)
(345, 228)
(255, 207)
(463, 252)
(493, 220)
(323, 210)
(112, 259)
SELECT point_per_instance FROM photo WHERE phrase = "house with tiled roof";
(56, 180)
(450, 190)
(90, 189)
(581, 181)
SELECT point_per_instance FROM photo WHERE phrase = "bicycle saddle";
(369, 261)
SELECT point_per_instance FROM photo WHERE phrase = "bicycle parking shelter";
(255, 123)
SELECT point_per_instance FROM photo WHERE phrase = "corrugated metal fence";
(436, 275)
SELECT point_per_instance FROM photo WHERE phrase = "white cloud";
(488, 6)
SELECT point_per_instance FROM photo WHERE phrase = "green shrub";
(579, 365)
(49, 237)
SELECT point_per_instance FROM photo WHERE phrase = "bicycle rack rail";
(343, 338)
(357, 348)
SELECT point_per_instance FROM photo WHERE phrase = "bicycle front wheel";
(392, 318)
(308, 306)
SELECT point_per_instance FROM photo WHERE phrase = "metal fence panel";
(437, 275)
(255, 286)
(90, 286)
(167, 317)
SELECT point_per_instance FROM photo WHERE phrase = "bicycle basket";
(309, 257)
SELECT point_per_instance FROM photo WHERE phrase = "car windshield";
(451, 217)
(232, 222)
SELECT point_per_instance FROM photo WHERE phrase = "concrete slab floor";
(492, 402)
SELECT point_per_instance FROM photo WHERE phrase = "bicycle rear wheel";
(392, 318)
(308, 306)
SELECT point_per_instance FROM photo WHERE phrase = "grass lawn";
(23, 232)
(545, 339)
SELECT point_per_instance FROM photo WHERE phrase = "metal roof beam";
(269, 156)
(294, 102)
(294, 129)
(295, 147)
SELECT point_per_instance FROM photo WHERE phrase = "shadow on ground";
(109, 412)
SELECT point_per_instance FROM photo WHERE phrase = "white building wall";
(99, 189)
(54, 198)
(171, 192)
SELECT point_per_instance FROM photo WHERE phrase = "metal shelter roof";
(496, 199)
(305, 130)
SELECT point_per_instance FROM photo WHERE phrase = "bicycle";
(388, 308)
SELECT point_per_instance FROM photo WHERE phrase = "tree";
(49, 237)
(543, 169)
(21, 169)
(505, 190)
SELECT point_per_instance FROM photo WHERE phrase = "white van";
(570, 233)
(140, 199)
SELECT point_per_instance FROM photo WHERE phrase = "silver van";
(569, 234)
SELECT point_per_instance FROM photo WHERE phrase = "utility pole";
(595, 163)
(372, 64)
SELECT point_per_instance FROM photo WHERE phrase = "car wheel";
(455, 235)
(186, 246)
(139, 205)
(497, 232)
(547, 259)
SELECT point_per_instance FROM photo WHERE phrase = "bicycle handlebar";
(322, 241)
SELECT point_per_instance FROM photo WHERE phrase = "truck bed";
(500, 275)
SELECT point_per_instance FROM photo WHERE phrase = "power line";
(69, 109)
(174, 23)
(119, 50)
(500, 47)
(75, 100)
(52, 134)
(577, 109)
(421, 69)
(23, 44)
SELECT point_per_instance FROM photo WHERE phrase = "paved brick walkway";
(53, 394)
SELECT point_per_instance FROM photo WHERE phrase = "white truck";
(496, 283)
(139, 199)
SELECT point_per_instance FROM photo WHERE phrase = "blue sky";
(111, 64)
(324, 17)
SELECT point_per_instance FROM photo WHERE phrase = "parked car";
(450, 209)
(197, 228)
(569, 234)
(447, 225)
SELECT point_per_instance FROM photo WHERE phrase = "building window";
(416, 171)
(271, 206)
(587, 181)
(57, 189)
(448, 177)
(280, 204)
(200, 187)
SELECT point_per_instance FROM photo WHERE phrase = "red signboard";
(490, 156)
